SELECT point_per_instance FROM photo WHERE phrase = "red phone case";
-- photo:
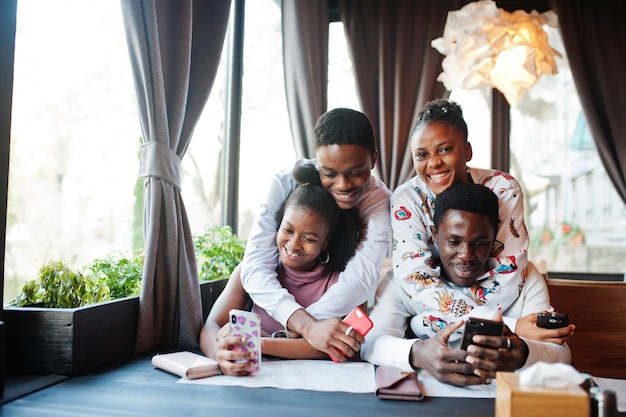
(360, 323)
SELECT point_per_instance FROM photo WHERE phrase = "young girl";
(315, 240)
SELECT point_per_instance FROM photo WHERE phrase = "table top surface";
(136, 388)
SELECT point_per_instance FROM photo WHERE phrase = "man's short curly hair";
(343, 126)
(467, 196)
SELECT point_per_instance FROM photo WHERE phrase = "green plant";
(120, 273)
(218, 252)
(57, 286)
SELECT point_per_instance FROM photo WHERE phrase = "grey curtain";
(305, 59)
(594, 36)
(396, 70)
(175, 49)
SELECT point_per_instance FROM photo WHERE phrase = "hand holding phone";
(475, 326)
(247, 324)
(359, 322)
(551, 320)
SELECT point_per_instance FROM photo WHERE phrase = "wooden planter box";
(70, 341)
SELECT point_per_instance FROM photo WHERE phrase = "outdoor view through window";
(74, 194)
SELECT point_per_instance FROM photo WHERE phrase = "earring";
(324, 261)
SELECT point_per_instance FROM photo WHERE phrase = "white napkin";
(553, 375)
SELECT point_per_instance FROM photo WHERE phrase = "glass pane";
(74, 194)
(266, 144)
(576, 220)
(476, 105)
(74, 139)
(201, 168)
(265, 123)
(342, 90)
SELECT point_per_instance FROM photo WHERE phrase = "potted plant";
(66, 322)
(218, 251)
(546, 236)
(69, 322)
(572, 235)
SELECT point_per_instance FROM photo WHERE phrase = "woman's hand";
(231, 359)
(527, 327)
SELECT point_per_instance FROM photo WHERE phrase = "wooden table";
(136, 388)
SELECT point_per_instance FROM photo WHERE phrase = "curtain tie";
(158, 160)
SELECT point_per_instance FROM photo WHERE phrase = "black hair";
(344, 225)
(446, 112)
(475, 198)
(343, 126)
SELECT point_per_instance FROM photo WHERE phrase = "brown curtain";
(305, 56)
(175, 50)
(594, 36)
(396, 70)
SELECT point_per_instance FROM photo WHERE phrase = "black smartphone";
(552, 320)
(480, 326)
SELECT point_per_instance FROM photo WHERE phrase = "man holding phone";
(433, 309)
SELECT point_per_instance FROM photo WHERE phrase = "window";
(73, 188)
(265, 127)
(341, 83)
(74, 139)
(266, 143)
(573, 213)
(576, 220)
(476, 105)
(74, 194)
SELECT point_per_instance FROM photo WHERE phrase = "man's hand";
(527, 327)
(328, 336)
(497, 353)
(446, 365)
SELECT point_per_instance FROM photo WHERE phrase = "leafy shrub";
(121, 274)
(218, 252)
(58, 286)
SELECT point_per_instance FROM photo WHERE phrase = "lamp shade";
(487, 46)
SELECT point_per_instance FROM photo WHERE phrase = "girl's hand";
(231, 359)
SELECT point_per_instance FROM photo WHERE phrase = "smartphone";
(552, 320)
(248, 324)
(360, 323)
(475, 326)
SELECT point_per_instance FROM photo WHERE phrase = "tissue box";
(514, 400)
